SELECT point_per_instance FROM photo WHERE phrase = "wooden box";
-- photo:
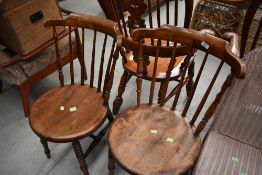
(22, 23)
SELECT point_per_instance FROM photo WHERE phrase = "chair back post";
(58, 57)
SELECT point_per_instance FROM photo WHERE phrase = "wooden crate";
(22, 23)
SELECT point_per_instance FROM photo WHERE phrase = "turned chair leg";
(24, 91)
(110, 117)
(80, 157)
(1, 86)
(46, 148)
(190, 82)
(160, 92)
(121, 89)
(111, 163)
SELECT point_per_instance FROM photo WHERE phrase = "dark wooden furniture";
(142, 14)
(153, 138)
(76, 110)
(234, 140)
(253, 36)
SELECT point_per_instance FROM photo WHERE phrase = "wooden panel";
(27, 35)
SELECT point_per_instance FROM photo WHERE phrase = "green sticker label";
(235, 159)
(243, 174)
(169, 139)
(62, 108)
(153, 131)
(73, 109)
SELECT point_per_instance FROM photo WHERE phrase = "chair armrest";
(234, 42)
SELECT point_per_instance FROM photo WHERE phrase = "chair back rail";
(194, 41)
(99, 26)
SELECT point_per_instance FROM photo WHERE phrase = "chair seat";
(51, 123)
(140, 151)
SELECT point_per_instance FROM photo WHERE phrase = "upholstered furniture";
(234, 145)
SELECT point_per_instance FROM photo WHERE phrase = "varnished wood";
(74, 111)
(121, 88)
(80, 157)
(139, 151)
(157, 138)
(67, 126)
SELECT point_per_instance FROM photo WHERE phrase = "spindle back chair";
(76, 110)
(146, 14)
(251, 39)
(153, 139)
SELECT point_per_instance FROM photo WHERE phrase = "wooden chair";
(153, 139)
(76, 110)
(142, 14)
(251, 35)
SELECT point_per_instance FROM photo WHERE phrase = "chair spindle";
(139, 72)
(93, 61)
(58, 60)
(168, 74)
(180, 85)
(202, 103)
(153, 82)
(192, 92)
(108, 65)
(70, 57)
(101, 65)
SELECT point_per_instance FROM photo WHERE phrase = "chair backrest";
(111, 42)
(194, 42)
(251, 34)
(148, 13)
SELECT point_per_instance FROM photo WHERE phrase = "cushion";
(17, 73)
(222, 155)
(240, 113)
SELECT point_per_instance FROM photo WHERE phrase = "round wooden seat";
(51, 123)
(153, 140)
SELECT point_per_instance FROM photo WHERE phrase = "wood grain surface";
(139, 151)
(53, 124)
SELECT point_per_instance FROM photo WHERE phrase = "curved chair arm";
(234, 42)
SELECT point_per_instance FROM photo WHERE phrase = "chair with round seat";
(151, 14)
(74, 111)
(157, 138)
